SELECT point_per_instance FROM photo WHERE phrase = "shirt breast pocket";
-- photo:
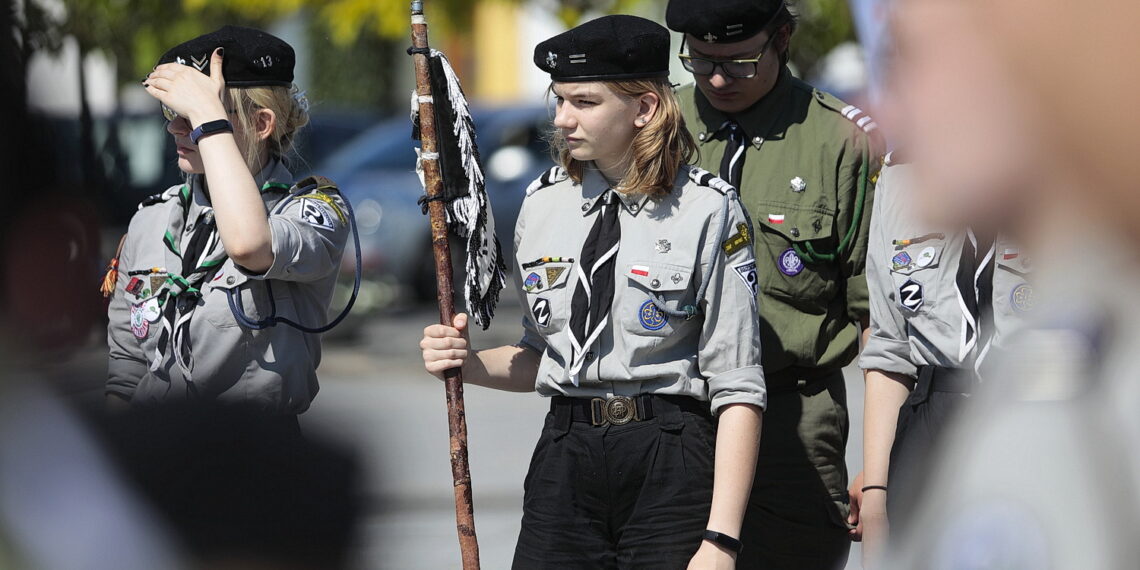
(253, 295)
(790, 247)
(548, 294)
(647, 283)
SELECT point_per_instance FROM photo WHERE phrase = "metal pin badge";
(663, 246)
(798, 184)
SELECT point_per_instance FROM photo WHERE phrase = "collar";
(757, 121)
(594, 185)
(275, 176)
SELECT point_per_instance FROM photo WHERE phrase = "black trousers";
(630, 496)
(938, 395)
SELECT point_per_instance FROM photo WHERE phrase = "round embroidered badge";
(1022, 298)
(651, 317)
(790, 263)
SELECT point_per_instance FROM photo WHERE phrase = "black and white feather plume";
(469, 213)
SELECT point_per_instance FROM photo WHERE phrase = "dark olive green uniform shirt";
(807, 182)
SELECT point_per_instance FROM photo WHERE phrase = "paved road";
(375, 393)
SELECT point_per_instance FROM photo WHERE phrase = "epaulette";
(850, 112)
(161, 196)
(705, 178)
(549, 178)
(320, 183)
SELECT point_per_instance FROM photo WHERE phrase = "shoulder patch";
(163, 196)
(705, 178)
(850, 112)
(321, 189)
(548, 178)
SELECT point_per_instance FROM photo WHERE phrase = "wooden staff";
(453, 379)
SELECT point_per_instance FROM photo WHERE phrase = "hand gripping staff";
(456, 200)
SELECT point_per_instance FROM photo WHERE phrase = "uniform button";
(702, 136)
(586, 207)
(590, 355)
(230, 280)
(655, 283)
(817, 225)
(757, 141)
(795, 232)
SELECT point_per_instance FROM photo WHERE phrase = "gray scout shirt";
(273, 369)
(667, 245)
(916, 317)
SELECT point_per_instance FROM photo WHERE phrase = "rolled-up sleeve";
(888, 348)
(126, 363)
(729, 351)
(308, 238)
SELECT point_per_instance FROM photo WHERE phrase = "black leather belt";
(621, 410)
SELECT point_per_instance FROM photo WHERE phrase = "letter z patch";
(747, 274)
(541, 311)
(910, 295)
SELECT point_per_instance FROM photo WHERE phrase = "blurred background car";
(376, 172)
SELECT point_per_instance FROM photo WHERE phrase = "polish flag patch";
(639, 270)
(1010, 253)
(775, 218)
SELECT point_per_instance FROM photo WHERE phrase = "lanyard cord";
(238, 308)
(808, 252)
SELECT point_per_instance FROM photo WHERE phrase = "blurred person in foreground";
(1040, 471)
(944, 302)
(640, 323)
(207, 267)
(804, 163)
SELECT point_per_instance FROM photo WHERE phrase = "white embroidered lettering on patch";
(747, 273)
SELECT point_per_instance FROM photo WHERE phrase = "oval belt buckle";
(619, 410)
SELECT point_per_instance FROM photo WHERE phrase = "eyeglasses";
(735, 68)
(171, 115)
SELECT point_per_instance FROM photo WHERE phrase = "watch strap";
(724, 540)
(209, 128)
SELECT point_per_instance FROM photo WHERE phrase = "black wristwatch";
(724, 540)
(209, 128)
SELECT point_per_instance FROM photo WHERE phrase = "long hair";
(290, 109)
(658, 150)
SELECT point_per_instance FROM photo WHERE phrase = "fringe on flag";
(469, 213)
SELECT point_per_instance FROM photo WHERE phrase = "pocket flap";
(793, 222)
(916, 258)
(551, 275)
(228, 277)
(1014, 260)
(659, 276)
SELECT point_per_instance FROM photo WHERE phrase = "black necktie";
(732, 163)
(975, 284)
(594, 293)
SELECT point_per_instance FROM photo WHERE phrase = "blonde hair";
(291, 111)
(658, 150)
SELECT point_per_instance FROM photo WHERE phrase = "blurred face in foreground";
(1079, 60)
(960, 120)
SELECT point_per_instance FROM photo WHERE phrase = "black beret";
(252, 57)
(609, 48)
(721, 21)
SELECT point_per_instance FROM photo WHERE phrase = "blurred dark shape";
(241, 489)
